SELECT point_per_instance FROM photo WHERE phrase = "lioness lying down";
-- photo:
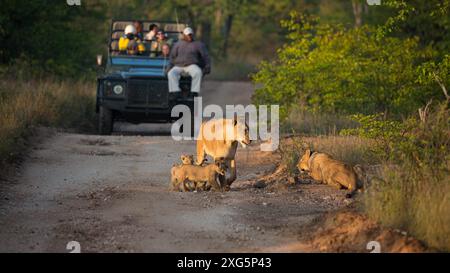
(193, 177)
(322, 167)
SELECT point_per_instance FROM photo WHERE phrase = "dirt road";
(110, 195)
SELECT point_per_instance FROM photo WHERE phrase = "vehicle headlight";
(118, 89)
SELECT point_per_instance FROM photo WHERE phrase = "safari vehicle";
(134, 88)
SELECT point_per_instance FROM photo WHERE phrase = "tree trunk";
(357, 12)
(226, 34)
(206, 33)
(218, 19)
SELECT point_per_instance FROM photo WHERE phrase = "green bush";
(385, 134)
(332, 69)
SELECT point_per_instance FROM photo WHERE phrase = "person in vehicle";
(156, 46)
(139, 30)
(188, 56)
(151, 35)
(129, 43)
(165, 53)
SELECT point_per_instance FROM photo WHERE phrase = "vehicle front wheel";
(105, 121)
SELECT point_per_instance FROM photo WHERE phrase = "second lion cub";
(185, 174)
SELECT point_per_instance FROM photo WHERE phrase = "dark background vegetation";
(52, 37)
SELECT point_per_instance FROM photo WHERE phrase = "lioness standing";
(219, 138)
(322, 167)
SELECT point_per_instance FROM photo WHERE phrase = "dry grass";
(411, 193)
(414, 192)
(314, 124)
(26, 104)
(420, 205)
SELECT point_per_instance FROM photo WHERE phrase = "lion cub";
(322, 167)
(185, 160)
(189, 177)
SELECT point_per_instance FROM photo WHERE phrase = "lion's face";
(221, 167)
(242, 133)
(302, 164)
(187, 159)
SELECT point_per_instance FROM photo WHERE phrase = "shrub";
(414, 192)
(332, 69)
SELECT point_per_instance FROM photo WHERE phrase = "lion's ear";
(235, 120)
(308, 152)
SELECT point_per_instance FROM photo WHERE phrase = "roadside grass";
(411, 188)
(315, 124)
(414, 190)
(25, 104)
(419, 204)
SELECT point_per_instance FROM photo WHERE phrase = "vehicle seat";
(114, 45)
(120, 25)
(116, 35)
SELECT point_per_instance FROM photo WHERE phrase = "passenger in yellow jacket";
(129, 43)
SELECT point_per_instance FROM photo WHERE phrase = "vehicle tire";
(105, 121)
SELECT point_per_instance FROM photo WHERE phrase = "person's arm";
(205, 59)
(172, 56)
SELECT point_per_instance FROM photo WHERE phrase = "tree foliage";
(53, 37)
(336, 69)
(50, 35)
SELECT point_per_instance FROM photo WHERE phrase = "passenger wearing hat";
(188, 56)
(129, 43)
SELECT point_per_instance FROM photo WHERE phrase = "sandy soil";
(110, 194)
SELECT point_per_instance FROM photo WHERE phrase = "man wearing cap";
(190, 57)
